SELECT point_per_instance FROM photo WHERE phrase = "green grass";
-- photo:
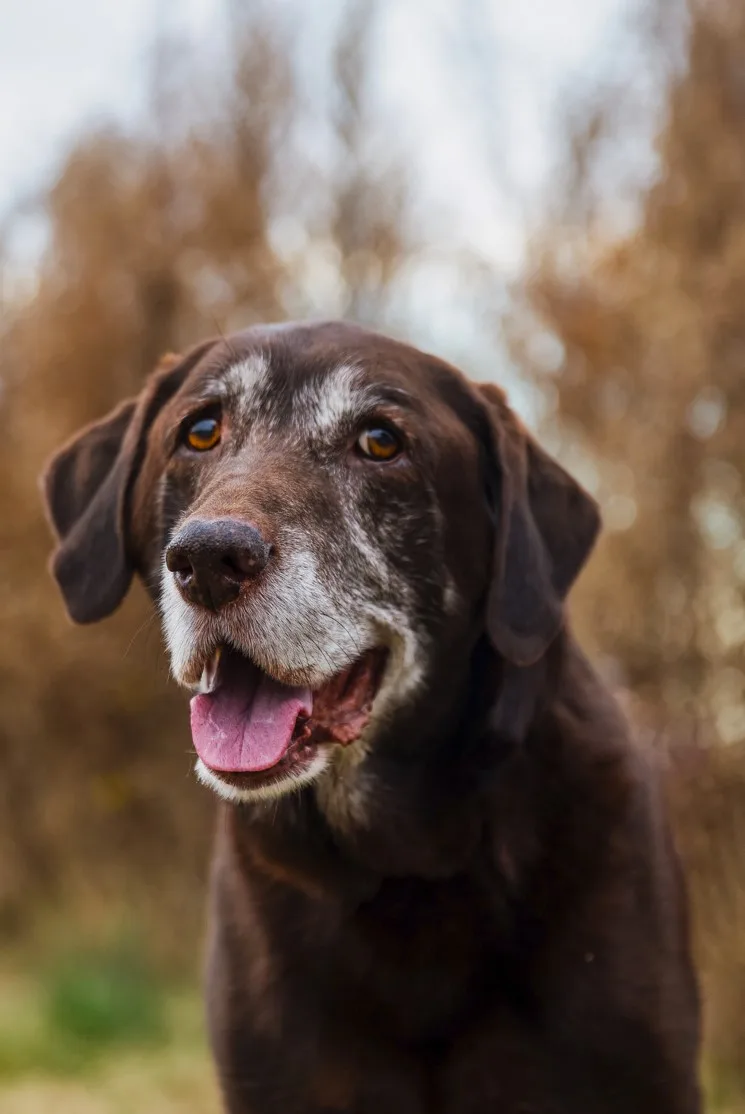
(83, 1005)
(96, 1033)
(103, 998)
(724, 1090)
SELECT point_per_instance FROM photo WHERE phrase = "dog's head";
(330, 521)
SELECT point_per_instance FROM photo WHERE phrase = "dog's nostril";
(177, 562)
(235, 568)
(243, 563)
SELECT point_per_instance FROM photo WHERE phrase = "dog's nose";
(211, 558)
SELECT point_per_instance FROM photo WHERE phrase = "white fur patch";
(346, 790)
(180, 626)
(321, 408)
(248, 378)
(451, 597)
(248, 385)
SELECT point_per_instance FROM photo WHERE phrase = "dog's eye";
(379, 443)
(203, 434)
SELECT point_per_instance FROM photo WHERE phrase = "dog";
(443, 879)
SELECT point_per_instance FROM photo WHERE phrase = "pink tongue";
(246, 725)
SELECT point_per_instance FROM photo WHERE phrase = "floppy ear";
(86, 488)
(545, 528)
(83, 486)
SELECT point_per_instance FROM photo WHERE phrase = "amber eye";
(379, 443)
(203, 434)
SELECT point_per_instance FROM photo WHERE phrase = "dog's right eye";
(203, 434)
(379, 443)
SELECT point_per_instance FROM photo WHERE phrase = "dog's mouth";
(251, 727)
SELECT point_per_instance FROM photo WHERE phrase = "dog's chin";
(243, 788)
(259, 738)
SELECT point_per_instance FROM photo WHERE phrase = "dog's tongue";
(246, 724)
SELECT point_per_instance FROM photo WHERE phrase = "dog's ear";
(87, 486)
(83, 488)
(545, 528)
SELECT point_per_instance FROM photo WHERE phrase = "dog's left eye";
(203, 434)
(379, 443)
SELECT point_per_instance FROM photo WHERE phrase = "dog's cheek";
(404, 526)
(178, 491)
(384, 569)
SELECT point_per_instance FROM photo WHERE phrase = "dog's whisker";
(146, 626)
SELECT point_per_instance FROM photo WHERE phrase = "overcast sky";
(63, 65)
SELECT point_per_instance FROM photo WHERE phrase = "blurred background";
(551, 195)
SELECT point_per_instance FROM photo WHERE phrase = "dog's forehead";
(317, 395)
(319, 382)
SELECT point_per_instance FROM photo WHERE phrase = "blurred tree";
(638, 340)
(649, 383)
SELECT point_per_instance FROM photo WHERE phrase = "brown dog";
(443, 882)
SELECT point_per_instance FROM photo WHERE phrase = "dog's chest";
(420, 957)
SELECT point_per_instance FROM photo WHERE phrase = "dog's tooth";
(209, 673)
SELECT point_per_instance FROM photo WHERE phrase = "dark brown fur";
(505, 929)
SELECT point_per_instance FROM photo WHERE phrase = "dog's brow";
(384, 393)
(320, 406)
(327, 403)
(246, 378)
(343, 396)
